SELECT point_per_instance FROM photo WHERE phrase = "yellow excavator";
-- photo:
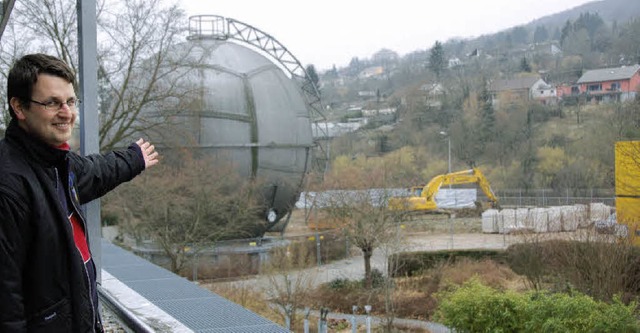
(422, 198)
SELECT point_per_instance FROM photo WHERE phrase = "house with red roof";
(617, 84)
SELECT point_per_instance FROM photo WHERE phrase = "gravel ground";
(109, 321)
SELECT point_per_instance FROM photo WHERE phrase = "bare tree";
(187, 208)
(289, 283)
(393, 245)
(142, 67)
(10, 50)
(360, 204)
(53, 22)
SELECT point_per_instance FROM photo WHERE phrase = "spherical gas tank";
(248, 110)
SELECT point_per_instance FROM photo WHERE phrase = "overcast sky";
(328, 32)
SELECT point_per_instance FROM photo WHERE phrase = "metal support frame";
(88, 67)
(6, 7)
(213, 26)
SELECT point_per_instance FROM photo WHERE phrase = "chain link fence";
(552, 197)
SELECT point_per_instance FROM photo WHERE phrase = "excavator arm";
(486, 188)
(455, 178)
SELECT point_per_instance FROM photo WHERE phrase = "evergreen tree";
(590, 22)
(487, 116)
(313, 75)
(524, 65)
(437, 61)
(629, 38)
(566, 31)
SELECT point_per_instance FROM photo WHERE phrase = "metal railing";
(124, 316)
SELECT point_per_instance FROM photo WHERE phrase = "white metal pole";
(449, 144)
(449, 164)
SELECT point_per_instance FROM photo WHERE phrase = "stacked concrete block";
(582, 212)
(522, 219)
(490, 221)
(569, 217)
(554, 218)
(539, 219)
(598, 211)
(506, 220)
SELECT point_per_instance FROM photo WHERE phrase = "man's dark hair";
(24, 75)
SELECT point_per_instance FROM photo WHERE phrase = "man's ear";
(17, 108)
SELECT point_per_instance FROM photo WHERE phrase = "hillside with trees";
(444, 92)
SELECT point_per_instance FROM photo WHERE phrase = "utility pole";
(449, 151)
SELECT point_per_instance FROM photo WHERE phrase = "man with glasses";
(47, 275)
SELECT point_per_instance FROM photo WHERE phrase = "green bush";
(377, 279)
(626, 319)
(474, 307)
(342, 284)
(560, 313)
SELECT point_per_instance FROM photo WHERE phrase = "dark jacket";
(44, 284)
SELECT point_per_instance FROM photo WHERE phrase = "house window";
(594, 87)
(615, 86)
(575, 90)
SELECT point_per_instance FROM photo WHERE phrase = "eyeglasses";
(55, 105)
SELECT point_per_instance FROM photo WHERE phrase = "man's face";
(54, 126)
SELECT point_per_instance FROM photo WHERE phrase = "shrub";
(624, 314)
(474, 307)
(597, 268)
(413, 263)
(559, 313)
(339, 283)
(529, 260)
(377, 279)
(578, 313)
